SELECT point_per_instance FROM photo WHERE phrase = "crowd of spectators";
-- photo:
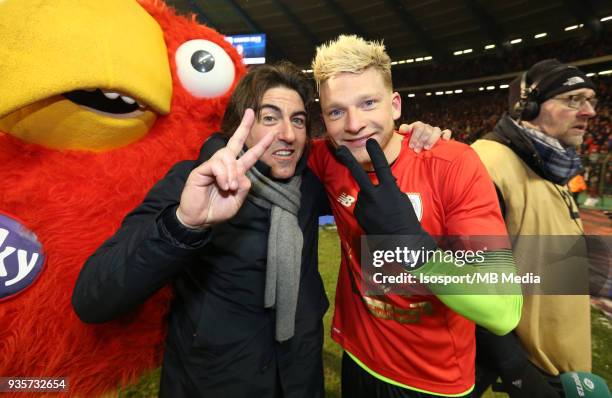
(595, 149)
(496, 62)
(469, 115)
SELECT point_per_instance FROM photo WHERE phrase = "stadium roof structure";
(411, 29)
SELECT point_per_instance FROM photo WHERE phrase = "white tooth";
(111, 94)
(128, 100)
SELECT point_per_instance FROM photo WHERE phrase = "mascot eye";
(204, 68)
(202, 61)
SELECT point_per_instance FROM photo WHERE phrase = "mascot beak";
(81, 74)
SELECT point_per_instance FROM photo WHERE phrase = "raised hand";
(383, 209)
(215, 190)
(423, 135)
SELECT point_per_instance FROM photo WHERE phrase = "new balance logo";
(346, 200)
(518, 383)
(573, 80)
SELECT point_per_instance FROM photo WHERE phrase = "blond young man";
(398, 345)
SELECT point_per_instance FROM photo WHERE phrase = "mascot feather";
(97, 100)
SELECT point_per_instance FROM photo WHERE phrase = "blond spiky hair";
(350, 53)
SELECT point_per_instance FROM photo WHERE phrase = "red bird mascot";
(97, 100)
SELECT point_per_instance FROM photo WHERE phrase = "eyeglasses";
(577, 101)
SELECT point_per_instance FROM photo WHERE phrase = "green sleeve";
(494, 305)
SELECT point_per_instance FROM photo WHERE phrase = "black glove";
(383, 209)
(526, 382)
(504, 356)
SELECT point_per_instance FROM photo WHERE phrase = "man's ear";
(396, 104)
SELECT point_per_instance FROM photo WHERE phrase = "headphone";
(527, 108)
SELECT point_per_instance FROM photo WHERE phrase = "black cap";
(553, 78)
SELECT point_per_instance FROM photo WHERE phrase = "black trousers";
(357, 383)
(258, 367)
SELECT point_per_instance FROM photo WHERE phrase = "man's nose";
(354, 122)
(286, 133)
(587, 110)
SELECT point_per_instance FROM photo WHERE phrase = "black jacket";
(220, 340)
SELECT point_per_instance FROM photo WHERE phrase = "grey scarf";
(559, 163)
(285, 242)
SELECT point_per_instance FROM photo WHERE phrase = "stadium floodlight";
(394, 63)
(307, 70)
(459, 91)
(428, 93)
(480, 88)
(458, 52)
(410, 95)
(428, 58)
(448, 92)
(419, 59)
(403, 61)
(316, 100)
(540, 35)
(410, 60)
(608, 18)
(489, 46)
(568, 28)
(439, 92)
(467, 51)
(516, 41)
(605, 72)
(503, 86)
(490, 87)
(590, 74)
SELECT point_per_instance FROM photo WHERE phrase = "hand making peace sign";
(383, 209)
(215, 190)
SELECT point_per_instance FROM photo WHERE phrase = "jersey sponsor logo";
(346, 200)
(384, 310)
(417, 204)
(21, 257)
